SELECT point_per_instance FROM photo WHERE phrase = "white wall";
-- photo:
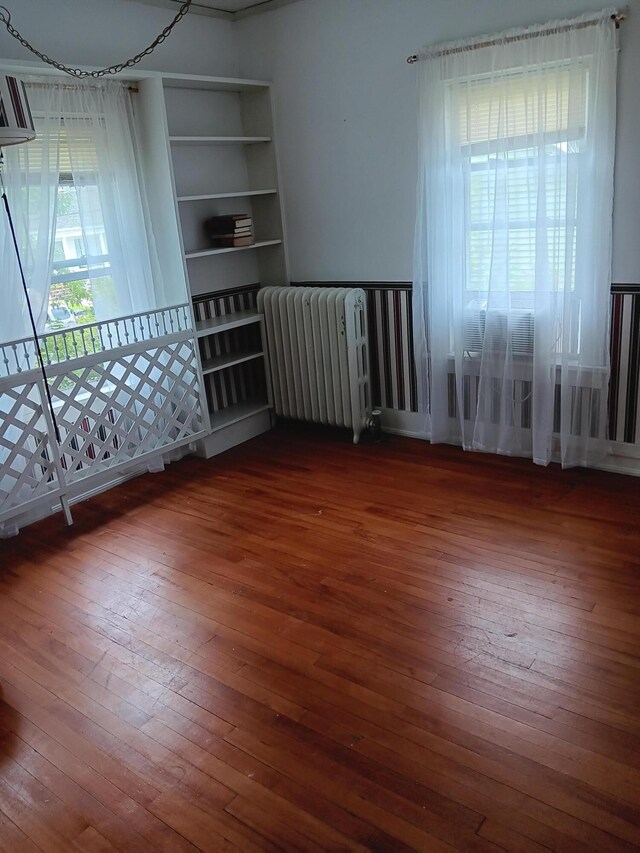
(103, 32)
(345, 105)
(346, 122)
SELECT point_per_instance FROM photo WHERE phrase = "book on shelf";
(228, 224)
(228, 241)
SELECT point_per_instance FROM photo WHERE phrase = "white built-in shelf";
(220, 362)
(238, 412)
(232, 162)
(203, 253)
(226, 322)
(219, 84)
(240, 194)
(218, 140)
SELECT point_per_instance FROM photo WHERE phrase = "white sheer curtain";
(86, 144)
(513, 239)
(31, 179)
(100, 142)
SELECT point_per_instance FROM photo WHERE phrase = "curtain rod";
(617, 18)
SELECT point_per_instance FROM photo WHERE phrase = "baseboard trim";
(620, 465)
(409, 424)
(622, 448)
(623, 458)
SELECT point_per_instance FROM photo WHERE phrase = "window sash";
(504, 222)
(516, 105)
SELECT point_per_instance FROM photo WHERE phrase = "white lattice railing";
(93, 338)
(133, 393)
(118, 409)
(28, 461)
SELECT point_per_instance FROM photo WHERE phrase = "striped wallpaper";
(624, 396)
(242, 381)
(236, 384)
(393, 370)
(217, 304)
(394, 382)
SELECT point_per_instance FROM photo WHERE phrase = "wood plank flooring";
(303, 645)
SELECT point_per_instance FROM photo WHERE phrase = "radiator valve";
(373, 425)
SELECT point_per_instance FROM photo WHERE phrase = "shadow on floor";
(9, 728)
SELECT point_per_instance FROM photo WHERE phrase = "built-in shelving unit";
(259, 244)
(220, 362)
(239, 412)
(218, 140)
(218, 84)
(211, 196)
(225, 323)
(221, 142)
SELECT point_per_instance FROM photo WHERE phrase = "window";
(520, 143)
(513, 238)
(84, 224)
(81, 271)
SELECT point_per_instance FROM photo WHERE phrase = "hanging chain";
(5, 18)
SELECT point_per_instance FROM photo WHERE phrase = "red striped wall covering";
(393, 370)
(235, 384)
(624, 388)
(394, 383)
(226, 302)
(241, 382)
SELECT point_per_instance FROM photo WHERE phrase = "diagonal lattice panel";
(118, 409)
(26, 467)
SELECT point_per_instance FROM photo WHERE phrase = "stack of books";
(234, 229)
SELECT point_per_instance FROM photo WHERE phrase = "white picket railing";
(93, 338)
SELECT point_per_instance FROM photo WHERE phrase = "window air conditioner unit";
(514, 327)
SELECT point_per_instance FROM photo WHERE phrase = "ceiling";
(231, 10)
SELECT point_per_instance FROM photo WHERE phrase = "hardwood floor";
(304, 645)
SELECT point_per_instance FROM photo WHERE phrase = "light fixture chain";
(5, 18)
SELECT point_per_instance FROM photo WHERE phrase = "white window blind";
(520, 105)
(58, 155)
(518, 140)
